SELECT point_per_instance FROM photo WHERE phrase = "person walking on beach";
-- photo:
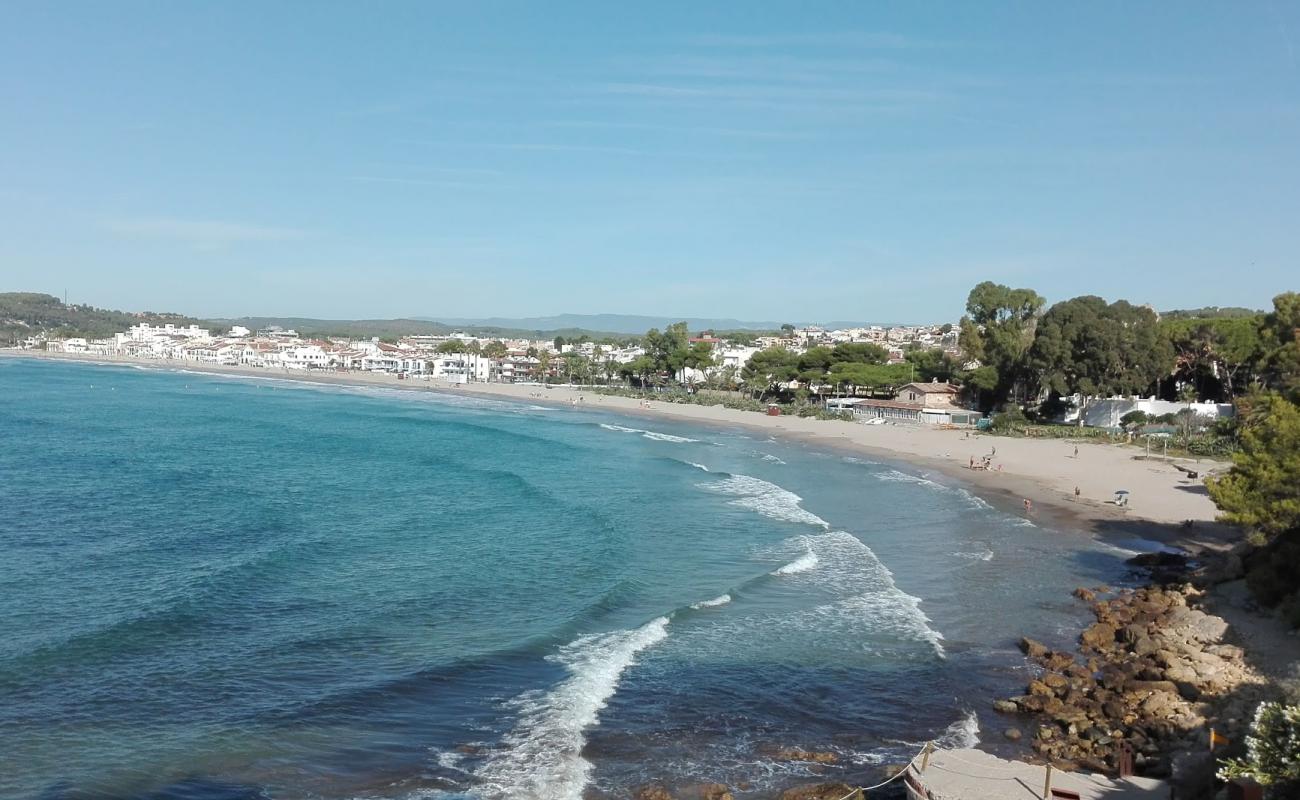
(1076, 451)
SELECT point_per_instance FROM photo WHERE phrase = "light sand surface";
(1044, 471)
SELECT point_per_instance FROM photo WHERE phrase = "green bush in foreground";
(1272, 751)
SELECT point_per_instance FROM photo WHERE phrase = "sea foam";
(803, 563)
(844, 564)
(895, 476)
(721, 600)
(654, 435)
(542, 754)
(766, 498)
(960, 735)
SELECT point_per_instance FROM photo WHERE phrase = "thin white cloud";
(199, 232)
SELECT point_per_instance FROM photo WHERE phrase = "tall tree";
(768, 368)
(997, 332)
(931, 364)
(1281, 335)
(1088, 346)
(859, 353)
(1220, 357)
(1262, 490)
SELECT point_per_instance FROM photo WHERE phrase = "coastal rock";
(1033, 648)
(713, 791)
(1098, 636)
(816, 791)
(1085, 595)
(1005, 706)
(1013, 734)
(1155, 668)
(797, 754)
(651, 791)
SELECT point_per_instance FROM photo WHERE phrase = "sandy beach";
(1044, 471)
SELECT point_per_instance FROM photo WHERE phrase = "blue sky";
(757, 160)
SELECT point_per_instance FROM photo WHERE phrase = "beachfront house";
(921, 403)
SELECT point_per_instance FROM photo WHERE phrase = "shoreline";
(1042, 471)
(904, 447)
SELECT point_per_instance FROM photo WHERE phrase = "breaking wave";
(971, 499)
(542, 754)
(841, 562)
(803, 563)
(721, 600)
(655, 435)
(960, 735)
(767, 499)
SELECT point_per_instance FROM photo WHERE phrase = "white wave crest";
(655, 435)
(895, 476)
(542, 756)
(767, 499)
(721, 600)
(772, 458)
(666, 437)
(982, 555)
(849, 566)
(961, 735)
(698, 466)
(803, 563)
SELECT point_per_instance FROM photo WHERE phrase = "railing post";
(1047, 785)
(925, 755)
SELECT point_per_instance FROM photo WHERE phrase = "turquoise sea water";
(216, 587)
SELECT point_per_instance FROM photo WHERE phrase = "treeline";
(1088, 346)
(24, 314)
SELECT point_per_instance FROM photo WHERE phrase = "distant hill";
(621, 323)
(24, 314)
(625, 324)
(393, 328)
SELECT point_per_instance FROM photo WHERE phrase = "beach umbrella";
(1121, 491)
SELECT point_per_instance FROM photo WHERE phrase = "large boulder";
(1098, 636)
(1033, 648)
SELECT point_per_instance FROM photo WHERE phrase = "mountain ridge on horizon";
(625, 323)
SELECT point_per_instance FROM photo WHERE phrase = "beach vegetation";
(1261, 492)
(1272, 752)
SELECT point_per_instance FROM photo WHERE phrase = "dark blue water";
(215, 587)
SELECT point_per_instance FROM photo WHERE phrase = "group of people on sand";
(986, 462)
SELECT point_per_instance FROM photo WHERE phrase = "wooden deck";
(975, 775)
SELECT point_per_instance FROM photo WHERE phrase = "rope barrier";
(896, 776)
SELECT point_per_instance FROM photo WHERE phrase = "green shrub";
(1273, 571)
(1272, 752)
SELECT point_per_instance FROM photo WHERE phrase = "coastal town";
(458, 357)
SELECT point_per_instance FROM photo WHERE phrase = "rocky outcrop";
(797, 754)
(817, 791)
(1151, 674)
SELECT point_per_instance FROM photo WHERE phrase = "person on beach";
(972, 462)
(1029, 506)
(1076, 493)
(1076, 451)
